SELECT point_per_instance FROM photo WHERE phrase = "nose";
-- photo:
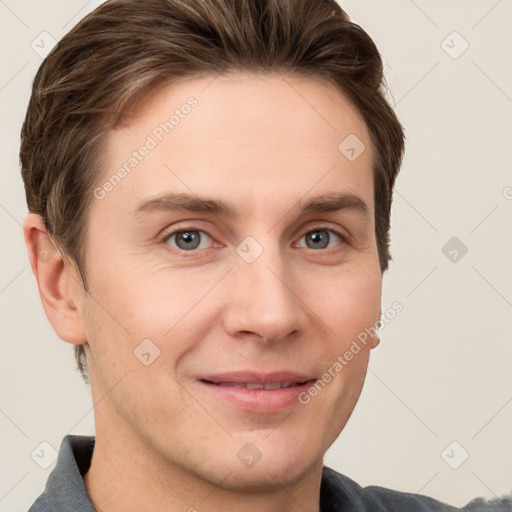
(265, 303)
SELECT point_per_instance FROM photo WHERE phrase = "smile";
(256, 393)
(256, 385)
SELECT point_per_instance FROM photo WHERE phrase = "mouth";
(258, 385)
(256, 392)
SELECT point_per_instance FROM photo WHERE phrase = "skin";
(261, 143)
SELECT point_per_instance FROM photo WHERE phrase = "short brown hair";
(124, 49)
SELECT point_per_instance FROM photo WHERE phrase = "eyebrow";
(330, 202)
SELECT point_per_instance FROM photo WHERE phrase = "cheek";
(350, 307)
(130, 308)
(160, 305)
(350, 303)
(145, 304)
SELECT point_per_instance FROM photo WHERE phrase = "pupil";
(188, 237)
(316, 236)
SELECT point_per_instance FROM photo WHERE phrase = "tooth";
(255, 385)
(273, 385)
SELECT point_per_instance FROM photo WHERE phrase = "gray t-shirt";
(65, 490)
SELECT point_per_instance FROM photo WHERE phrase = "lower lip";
(259, 400)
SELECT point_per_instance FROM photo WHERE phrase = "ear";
(374, 338)
(60, 288)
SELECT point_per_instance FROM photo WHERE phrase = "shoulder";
(340, 493)
(43, 504)
(500, 504)
(64, 488)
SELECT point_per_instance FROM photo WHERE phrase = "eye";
(320, 238)
(193, 239)
(187, 239)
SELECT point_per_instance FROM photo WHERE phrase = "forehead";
(242, 136)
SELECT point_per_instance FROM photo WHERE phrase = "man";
(210, 184)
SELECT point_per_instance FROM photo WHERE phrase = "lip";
(254, 377)
(257, 400)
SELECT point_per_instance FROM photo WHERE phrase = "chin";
(265, 477)
(269, 467)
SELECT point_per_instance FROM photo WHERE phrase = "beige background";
(442, 372)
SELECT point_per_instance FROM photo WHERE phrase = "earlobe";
(375, 338)
(59, 287)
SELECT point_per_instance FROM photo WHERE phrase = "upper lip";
(254, 377)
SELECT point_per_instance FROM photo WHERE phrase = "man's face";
(269, 293)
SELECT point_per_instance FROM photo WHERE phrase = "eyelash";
(167, 236)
